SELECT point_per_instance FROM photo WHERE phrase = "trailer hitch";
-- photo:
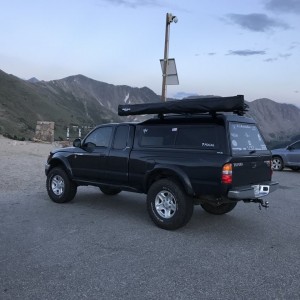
(261, 203)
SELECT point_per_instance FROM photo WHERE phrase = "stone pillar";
(44, 131)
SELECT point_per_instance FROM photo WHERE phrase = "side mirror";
(77, 143)
(89, 147)
(289, 148)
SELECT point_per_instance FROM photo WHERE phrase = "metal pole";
(164, 85)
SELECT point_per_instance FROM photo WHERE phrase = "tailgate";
(249, 170)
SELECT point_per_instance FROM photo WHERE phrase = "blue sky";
(225, 48)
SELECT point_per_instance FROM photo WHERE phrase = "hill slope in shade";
(278, 121)
(75, 100)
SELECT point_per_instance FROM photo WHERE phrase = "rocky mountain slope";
(75, 100)
(78, 100)
(278, 121)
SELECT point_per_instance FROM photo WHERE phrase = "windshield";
(245, 137)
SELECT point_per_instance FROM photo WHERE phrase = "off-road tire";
(221, 209)
(59, 186)
(109, 190)
(168, 205)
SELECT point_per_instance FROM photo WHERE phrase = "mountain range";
(80, 101)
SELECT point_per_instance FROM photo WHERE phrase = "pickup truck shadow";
(131, 207)
(123, 205)
(287, 170)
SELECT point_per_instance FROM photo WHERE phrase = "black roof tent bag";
(191, 106)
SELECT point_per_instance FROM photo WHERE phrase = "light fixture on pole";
(169, 19)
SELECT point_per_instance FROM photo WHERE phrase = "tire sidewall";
(281, 163)
(179, 217)
(68, 194)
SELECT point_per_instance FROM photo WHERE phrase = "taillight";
(227, 174)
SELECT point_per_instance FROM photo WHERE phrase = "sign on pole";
(171, 75)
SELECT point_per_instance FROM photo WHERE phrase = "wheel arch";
(61, 162)
(282, 157)
(171, 172)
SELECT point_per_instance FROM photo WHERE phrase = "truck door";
(90, 164)
(118, 158)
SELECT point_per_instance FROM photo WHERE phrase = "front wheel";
(59, 186)
(168, 206)
(277, 163)
(220, 209)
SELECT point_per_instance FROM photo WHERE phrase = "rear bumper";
(253, 191)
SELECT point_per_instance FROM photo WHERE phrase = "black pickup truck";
(189, 154)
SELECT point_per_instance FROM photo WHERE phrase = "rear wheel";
(277, 163)
(59, 186)
(220, 209)
(168, 206)
(109, 190)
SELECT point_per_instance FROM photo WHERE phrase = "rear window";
(245, 137)
(201, 137)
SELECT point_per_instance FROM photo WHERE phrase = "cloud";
(257, 22)
(134, 3)
(246, 52)
(211, 53)
(284, 6)
(294, 45)
(270, 59)
(181, 95)
(285, 55)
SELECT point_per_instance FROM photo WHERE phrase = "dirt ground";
(21, 160)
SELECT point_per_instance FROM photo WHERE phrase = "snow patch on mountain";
(126, 99)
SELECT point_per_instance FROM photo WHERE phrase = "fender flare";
(164, 171)
(61, 160)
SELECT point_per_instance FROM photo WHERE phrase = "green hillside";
(22, 104)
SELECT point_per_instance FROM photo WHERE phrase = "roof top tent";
(210, 105)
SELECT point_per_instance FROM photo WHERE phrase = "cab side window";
(100, 136)
(121, 137)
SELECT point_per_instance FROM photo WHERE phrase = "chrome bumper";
(253, 191)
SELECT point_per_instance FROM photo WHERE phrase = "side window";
(157, 136)
(203, 137)
(100, 137)
(121, 137)
(296, 146)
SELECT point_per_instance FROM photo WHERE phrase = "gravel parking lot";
(100, 247)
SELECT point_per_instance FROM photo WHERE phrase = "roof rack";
(194, 105)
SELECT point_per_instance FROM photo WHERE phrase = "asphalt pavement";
(106, 247)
